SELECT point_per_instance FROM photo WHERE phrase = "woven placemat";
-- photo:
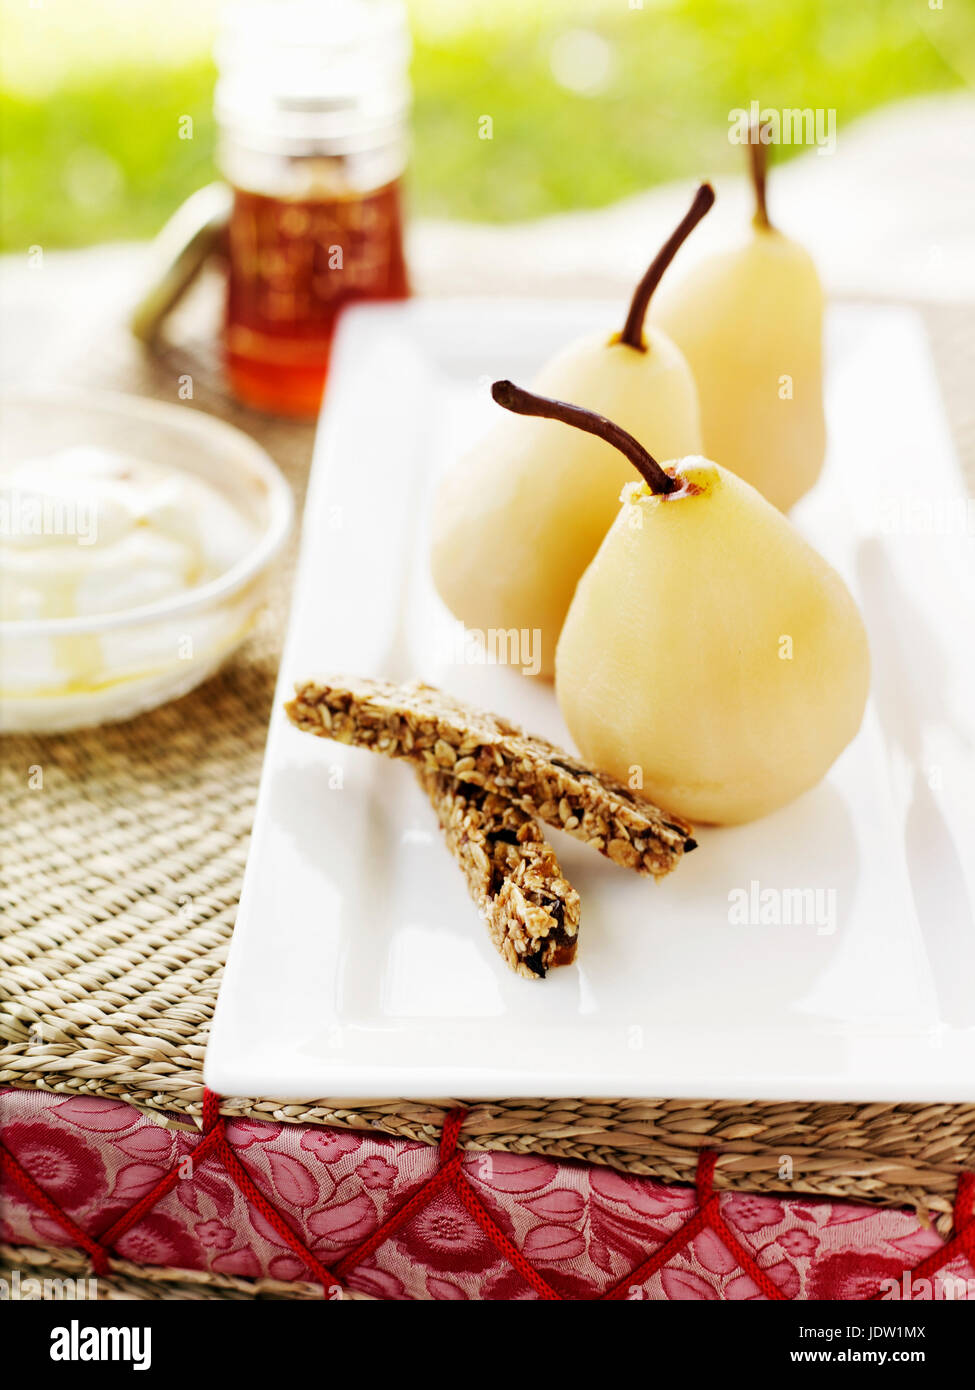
(66, 1274)
(123, 850)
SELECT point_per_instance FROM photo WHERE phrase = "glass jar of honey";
(312, 102)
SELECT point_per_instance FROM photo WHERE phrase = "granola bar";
(422, 724)
(513, 875)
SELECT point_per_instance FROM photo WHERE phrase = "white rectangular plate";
(359, 967)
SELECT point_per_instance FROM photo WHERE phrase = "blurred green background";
(591, 99)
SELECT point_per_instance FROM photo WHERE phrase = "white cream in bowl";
(89, 530)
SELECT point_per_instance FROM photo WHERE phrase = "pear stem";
(758, 163)
(632, 333)
(523, 402)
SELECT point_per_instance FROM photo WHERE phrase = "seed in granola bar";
(622, 852)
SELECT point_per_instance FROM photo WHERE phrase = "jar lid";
(313, 76)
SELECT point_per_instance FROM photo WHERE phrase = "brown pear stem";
(632, 333)
(522, 402)
(758, 163)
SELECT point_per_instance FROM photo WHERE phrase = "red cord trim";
(501, 1242)
(659, 1258)
(399, 1219)
(27, 1185)
(110, 1238)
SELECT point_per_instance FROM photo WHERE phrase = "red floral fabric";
(584, 1229)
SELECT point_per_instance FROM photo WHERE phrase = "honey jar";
(312, 102)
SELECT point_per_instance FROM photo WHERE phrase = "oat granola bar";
(513, 875)
(422, 724)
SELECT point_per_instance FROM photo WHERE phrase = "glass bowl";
(66, 673)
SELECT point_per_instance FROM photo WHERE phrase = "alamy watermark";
(494, 646)
(19, 1288)
(756, 906)
(77, 1343)
(792, 125)
(924, 516)
(951, 1287)
(39, 514)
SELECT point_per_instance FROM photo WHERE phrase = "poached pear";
(750, 323)
(518, 519)
(711, 659)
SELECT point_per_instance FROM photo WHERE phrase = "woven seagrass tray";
(122, 872)
(65, 1268)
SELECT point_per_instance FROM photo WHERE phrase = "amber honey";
(294, 265)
